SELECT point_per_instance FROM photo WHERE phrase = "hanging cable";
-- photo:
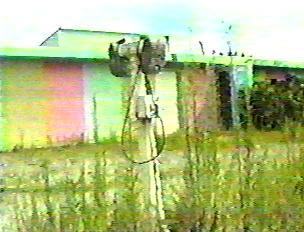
(159, 148)
(149, 91)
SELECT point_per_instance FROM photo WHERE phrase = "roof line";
(50, 36)
(68, 53)
(95, 31)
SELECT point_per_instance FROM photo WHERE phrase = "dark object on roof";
(202, 47)
(167, 38)
(122, 41)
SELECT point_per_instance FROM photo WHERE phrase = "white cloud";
(260, 27)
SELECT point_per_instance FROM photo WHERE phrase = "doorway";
(224, 96)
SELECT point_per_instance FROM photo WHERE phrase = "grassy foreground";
(252, 181)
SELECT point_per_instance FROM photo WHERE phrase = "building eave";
(95, 54)
(51, 52)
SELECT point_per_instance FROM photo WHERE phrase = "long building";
(63, 91)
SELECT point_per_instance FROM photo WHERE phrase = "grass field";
(223, 181)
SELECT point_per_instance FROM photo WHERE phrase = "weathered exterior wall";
(24, 104)
(106, 88)
(41, 102)
(166, 91)
(65, 100)
(47, 102)
(51, 101)
(200, 97)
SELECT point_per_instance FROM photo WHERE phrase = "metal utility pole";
(141, 62)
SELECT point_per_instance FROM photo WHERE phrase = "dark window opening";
(244, 119)
(224, 94)
(273, 81)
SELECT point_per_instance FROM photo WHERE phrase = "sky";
(265, 29)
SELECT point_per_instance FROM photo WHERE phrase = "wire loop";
(159, 148)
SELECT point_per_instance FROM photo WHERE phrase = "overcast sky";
(262, 28)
